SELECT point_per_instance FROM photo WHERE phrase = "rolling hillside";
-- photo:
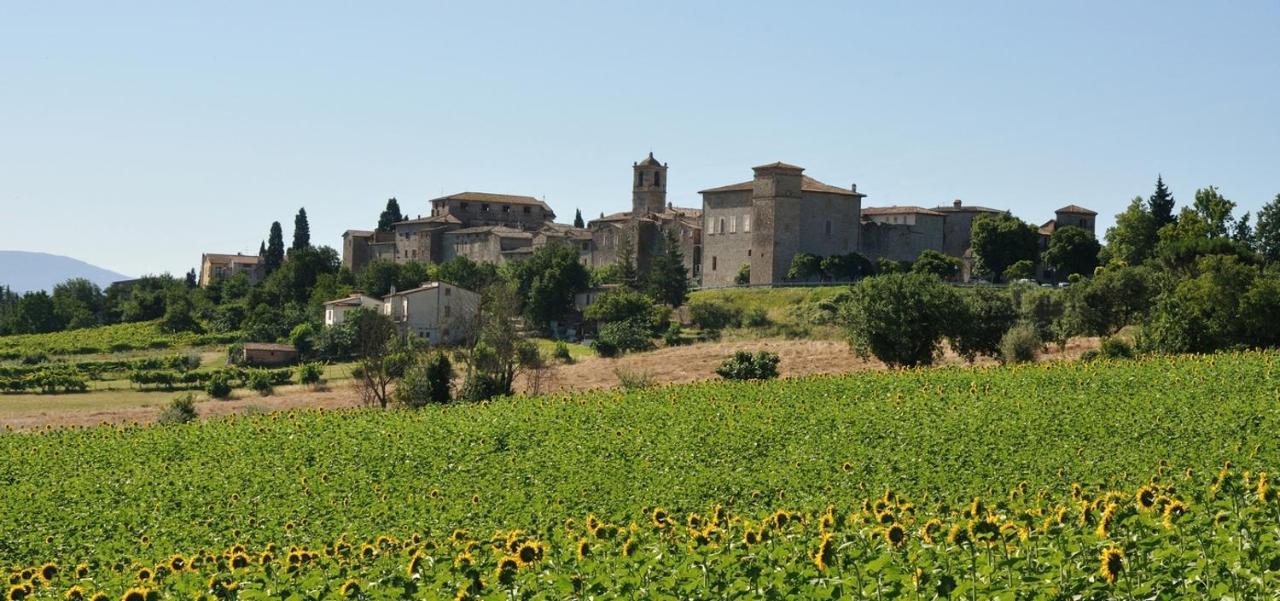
(23, 271)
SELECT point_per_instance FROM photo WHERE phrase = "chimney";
(956, 203)
(853, 188)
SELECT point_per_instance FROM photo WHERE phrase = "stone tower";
(775, 209)
(648, 187)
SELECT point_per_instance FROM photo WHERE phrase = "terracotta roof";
(552, 229)
(501, 231)
(351, 301)
(358, 233)
(779, 165)
(1048, 227)
(649, 161)
(899, 210)
(1076, 210)
(495, 198)
(623, 216)
(269, 346)
(243, 259)
(965, 208)
(807, 184)
(445, 218)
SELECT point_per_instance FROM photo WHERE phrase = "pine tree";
(191, 279)
(301, 231)
(577, 219)
(275, 248)
(1161, 204)
(262, 250)
(668, 278)
(390, 215)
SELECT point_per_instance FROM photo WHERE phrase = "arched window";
(639, 178)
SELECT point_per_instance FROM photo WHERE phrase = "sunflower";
(825, 553)
(583, 548)
(16, 593)
(506, 569)
(99, 596)
(1146, 498)
(895, 535)
(350, 588)
(177, 563)
(49, 571)
(1112, 563)
(958, 535)
(751, 537)
(464, 560)
(984, 531)
(144, 574)
(660, 517)
(846, 467)
(1266, 494)
(367, 551)
(74, 593)
(930, 530)
(82, 570)
(415, 564)
(238, 561)
(135, 594)
(1104, 522)
(265, 558)
(1172, 512)
(1221, 518)
(629, 547)
(528, 553)
(460, 535)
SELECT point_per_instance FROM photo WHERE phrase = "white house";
(335, 311)
(437, 311)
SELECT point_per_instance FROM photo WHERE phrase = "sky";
(136, 136)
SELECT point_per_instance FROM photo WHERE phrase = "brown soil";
(669, 365)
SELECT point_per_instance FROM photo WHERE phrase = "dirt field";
(670, 365)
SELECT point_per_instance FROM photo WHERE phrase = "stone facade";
(764, 222)
(220, 266)
(646, 226)
(901, 233)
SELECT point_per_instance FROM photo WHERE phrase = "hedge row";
(95, 370)
(47, 381)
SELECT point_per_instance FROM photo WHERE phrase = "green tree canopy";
(1267, 233)
(78, 303)
(1160, 205)
(1001, 240)
(933, 262)
(668, 278)
(901, 319)
(275, 248)
(577, 219)
(1072, 250)
(804, 266)
(1133, 238)
(1215, 210)
(547, 281)
(301, 230)
(390, 215)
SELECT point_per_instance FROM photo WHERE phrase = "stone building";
(901, 233)
(957, 231)
(219, 266)
(647, 224)
(764, 222)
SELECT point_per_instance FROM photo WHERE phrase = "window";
(447, 291)
(528, 210)
(484, 208)
(721, 226)
(748, 252)
(746, 223)
(466, 206)
(640, 178)
(713, 263)
(446, 310)
(733, 225)
(828, 228)
(657, 178)
(506, 208)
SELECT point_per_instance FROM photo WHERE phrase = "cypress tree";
(262, 250)
(275, 248)
(1161, 204)
(301, 230)
(390, 215)
(577, 219)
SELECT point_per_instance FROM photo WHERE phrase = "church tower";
(648, 187)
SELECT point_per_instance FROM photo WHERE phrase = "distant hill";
(23, 271)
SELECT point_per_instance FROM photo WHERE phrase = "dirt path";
(669, 365)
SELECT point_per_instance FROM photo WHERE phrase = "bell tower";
(648, 187)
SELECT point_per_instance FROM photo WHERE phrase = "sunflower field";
(1127, 479)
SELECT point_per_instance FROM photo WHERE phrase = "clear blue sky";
(136, 136)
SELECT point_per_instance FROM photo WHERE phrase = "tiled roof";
(1076, 210)
(807, 184)
(899, 210)
(649, 161)
(233, 259)
(779, 165)
(269, 346)
(358, 233)
(501, 231)
(354, 300)
(445, 218)
(965, 208)
(495, 198)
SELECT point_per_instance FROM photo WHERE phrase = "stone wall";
(901, 241)
(724, 253)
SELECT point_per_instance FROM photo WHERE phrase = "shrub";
(744, 365)
(620, 337)
(561, 353)
(425, 381)
(755, 317)
(218, 386)
(259, 380)
(310, 373)
(34, 358)
(630, 379)
(674, 335)
(1020, 344)
(900, 318)
(743, 277)
(181, 410)
(1115, 348)
(480, 386)
(303, 338)
(713, 316)
(982, 322)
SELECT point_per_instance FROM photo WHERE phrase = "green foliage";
(569, 473)
(181, 410)
(617, 337)
(577, 219)
(633, 379)
(105, 339)
(310, 374)
(667, 279)
(804, 266)
(846, 267)
(1020, 270)
(674, 334)
(1132, 239)
(303, 339)
(259, 380)
(885, 266)
(179, 313)
(218, 386)
(275, 248)
(754, 317)
(1020, 344)
(1160, 205)
(78, 303)
(378, 277)
(1002, 240)
(627, 305)
(1115, 298)
(744, 365)
(389, 216)
(561, 353)
(1115, 348)
(981, 322)
(547, 281)
(1215, 211)
(900, 318)
(301, 230)
(935, 263)
(743, 277)
(1072, 250)
(712, 315)
(426, 381)
(1267, 233)
(1226, 304)
(1041, 308)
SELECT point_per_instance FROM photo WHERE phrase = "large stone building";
(758, 225)
(764, 222)
(215, 266)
